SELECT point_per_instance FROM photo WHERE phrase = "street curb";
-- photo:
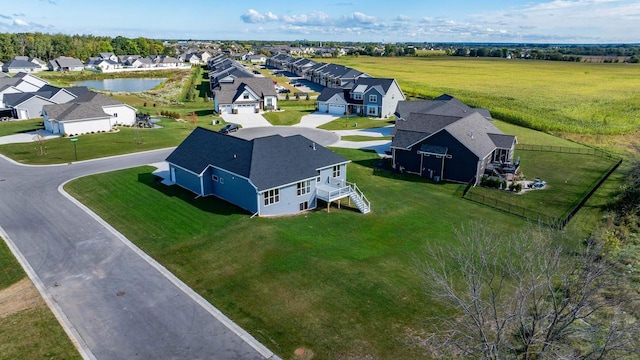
(244, 335)
(68, 327)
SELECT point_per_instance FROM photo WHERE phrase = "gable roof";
(13, 100)
(74, 111)
(229, 92)
(328, 93)
(18, 63)
(445, 105)
(268, 162)
(419, 120)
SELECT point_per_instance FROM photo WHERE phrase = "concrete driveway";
(319, 136)
(316, 119)
(246, 120)
(26, 137)
(114, 301)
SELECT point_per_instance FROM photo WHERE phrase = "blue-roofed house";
(266, 176)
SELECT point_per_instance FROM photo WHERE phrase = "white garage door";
(323, 107)
(246, 108)
(336, 109)
(225, 109)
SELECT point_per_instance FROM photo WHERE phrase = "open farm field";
(552, 96)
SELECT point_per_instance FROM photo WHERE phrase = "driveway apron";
(114, 300)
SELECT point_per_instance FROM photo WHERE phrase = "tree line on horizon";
(50, 46)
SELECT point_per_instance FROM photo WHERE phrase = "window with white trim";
(245, 96)
(373, 98)
(357, 96)
(304, 206)
(336, 171)
(221, 180)
(215, 178)
(372, 110)
(271, 197)
(304, 187)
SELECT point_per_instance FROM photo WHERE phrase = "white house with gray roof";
(89, 113)
(65, 63)
(245, 95)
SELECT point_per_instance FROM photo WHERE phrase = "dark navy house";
(444, 139)
(267, 176)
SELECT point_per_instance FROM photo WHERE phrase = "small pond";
(124, 85)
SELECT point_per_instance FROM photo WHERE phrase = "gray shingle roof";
(88, 105)
(328, 93)
(17, 63)
(469, 126)
(229, 92)
(268, 162)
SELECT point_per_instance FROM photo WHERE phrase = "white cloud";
(20, 22)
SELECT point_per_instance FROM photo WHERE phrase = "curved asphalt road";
(115, 301)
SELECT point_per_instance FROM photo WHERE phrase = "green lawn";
(356, 122)
(545, 95)
(569, 178)
(342, 284)
(29, 334)
(22, 126)
(293, 111)
(92, 146)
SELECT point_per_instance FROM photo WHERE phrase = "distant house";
(444, 139)
(88, 113)
(376, 97)
(245, 95)
(17, 65)
(104, 65)
(42, 64)
(108, 56)
(257, 59)
(267, 176)
(64, 63)
(28, 105)
(19, 83)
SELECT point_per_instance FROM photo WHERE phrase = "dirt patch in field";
(18, 297)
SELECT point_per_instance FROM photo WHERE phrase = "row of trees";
(51, 46)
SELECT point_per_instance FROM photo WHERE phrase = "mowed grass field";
(339, 284)
(583, 98)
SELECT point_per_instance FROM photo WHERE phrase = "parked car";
(538, 184)
(284, 91)
(229, 128)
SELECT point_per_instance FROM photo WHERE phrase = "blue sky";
(559, 21)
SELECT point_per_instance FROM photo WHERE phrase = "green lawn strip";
(569, 178)
(342, 284)
(18, 127)
(29, 334)
(364, 138)
(356, 122)
(92, 146)
(292, 112)
(545, 95)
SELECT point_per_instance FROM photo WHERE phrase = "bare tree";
(38, 137)
(523, 297)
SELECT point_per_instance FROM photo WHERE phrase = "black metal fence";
(536, 216)
(567, 150)
(510, 208)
